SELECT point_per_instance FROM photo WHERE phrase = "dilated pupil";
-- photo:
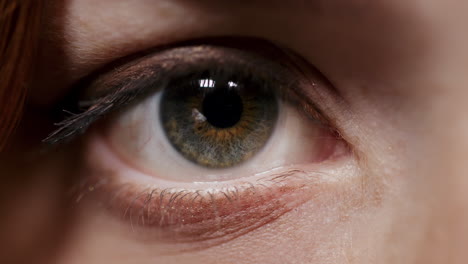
(222, 108)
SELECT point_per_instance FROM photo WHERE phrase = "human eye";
(201, 143)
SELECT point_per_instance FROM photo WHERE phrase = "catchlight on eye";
(218, 121)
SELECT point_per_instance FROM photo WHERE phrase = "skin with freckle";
(392, 83)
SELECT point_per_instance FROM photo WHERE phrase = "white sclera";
(138, 139)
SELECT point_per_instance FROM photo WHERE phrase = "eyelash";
(193, 213)
(116, 92)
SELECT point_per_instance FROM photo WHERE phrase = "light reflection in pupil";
(222, 108)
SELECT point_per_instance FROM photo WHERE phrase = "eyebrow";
(88, 49)
(314, 8)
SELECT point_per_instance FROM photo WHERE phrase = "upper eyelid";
(174, 61)
(253, 45)
(122, 86)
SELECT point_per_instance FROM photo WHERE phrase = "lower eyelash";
(207, 217)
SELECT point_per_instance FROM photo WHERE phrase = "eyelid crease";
(124, 85)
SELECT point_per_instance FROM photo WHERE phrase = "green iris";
(218, 122)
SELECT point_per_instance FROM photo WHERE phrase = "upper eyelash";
(77, 124)
(126, 84)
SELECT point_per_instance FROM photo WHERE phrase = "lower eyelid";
(212, 216)
(204, 216)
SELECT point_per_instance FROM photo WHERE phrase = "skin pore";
(399, 68)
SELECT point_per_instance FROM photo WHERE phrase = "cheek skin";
(33, 199)
(34, 216)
